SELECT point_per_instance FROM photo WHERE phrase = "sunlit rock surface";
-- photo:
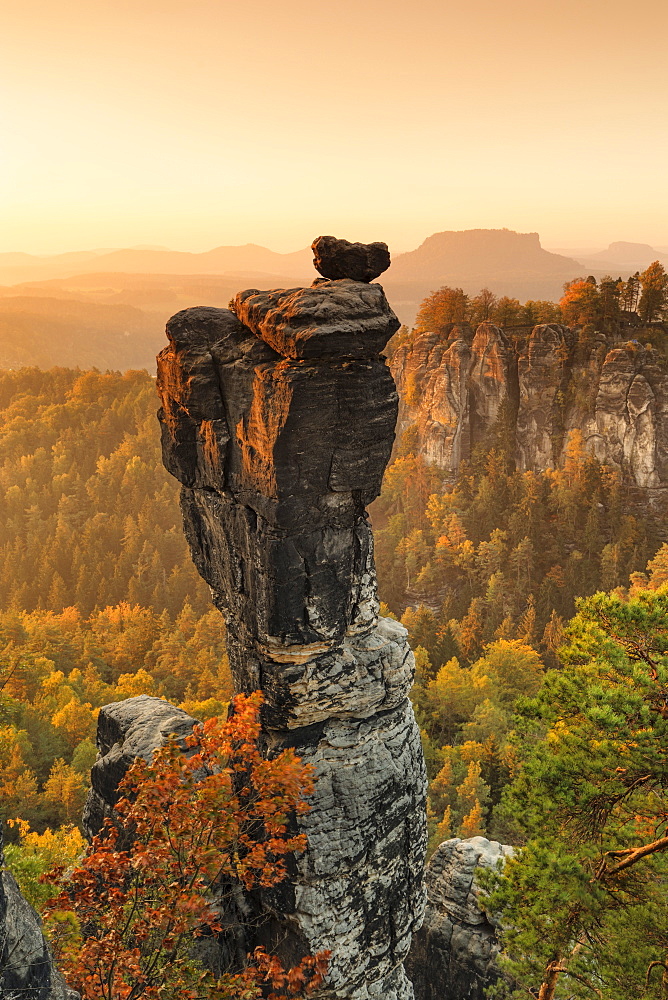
(456, 388)
(452, 955)
(278, 419)
(26, 965)
(629, 424)
(466, 390)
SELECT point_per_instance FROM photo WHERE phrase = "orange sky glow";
(196, 123)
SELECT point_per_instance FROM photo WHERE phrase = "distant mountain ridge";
(506, 262)
(43, 320)
(469, 252)
(16, 268)
(622, 258)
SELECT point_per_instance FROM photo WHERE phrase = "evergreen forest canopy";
(88, 515)
(99, 601)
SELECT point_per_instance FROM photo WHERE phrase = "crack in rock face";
(278, 419)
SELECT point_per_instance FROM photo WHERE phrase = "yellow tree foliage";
(442, 789)
(473, 824)
(210, 708)
(36, 853)
(444, 828)
(453, 695)
(130, 685)
(512, 666)
(76, 722)
(65, 791)
(18, 784)
(473, 789)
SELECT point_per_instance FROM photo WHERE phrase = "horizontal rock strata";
(278, 419)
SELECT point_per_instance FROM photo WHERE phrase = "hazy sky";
(196, 123)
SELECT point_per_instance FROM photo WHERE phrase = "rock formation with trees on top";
(464, 388)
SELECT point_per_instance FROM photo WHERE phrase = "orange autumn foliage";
(189, 825)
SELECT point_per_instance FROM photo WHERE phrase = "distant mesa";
(336, 259)
(621, 257)
(622, 250)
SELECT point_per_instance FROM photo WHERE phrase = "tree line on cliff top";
(608, 304)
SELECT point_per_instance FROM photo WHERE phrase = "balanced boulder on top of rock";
(340, 259)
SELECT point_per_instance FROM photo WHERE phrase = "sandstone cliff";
(278, 419)
(470, 389)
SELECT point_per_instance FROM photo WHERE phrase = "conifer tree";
(591, 793)
(654, 295)
(472, 796)
(472, 824)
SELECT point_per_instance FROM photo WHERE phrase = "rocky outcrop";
(452, 955)
(543, 379)
(136, 728)
(463, 390)
(126, 730)
(278, 419)
(490, 378)
(628, 427)
(26, 965)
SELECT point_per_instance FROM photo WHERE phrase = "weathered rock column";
(278, 419)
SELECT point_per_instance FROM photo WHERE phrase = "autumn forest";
(491, 570)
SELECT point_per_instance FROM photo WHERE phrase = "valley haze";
(107, 308)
